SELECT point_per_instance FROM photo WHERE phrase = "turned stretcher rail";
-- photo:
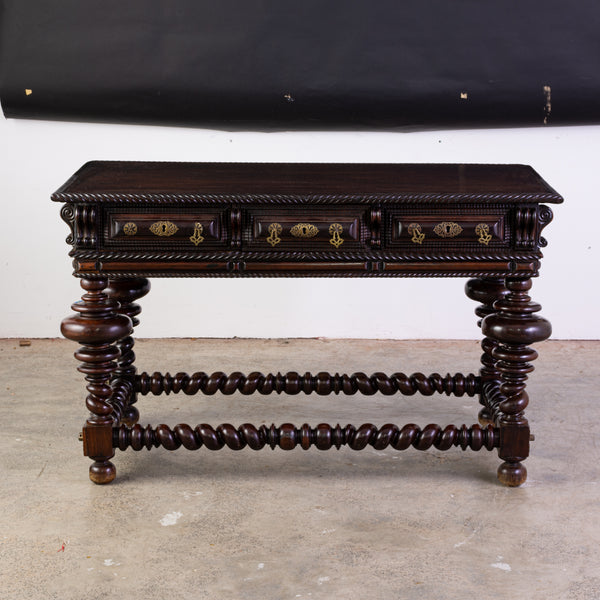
(323, 436)
(322, 383)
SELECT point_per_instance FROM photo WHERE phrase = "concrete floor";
(311, 525)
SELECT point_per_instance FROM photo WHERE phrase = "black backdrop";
(302, 63)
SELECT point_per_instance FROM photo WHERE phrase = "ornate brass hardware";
(274, 230)
(447, 229)
(414, 229)
(483, 231)
(163, 228)
(335, 229)
(304, 230)
(197, 238)
(130, 228)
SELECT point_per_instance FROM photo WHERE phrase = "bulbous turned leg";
(512, 474)
(125, 291)
(514, 326)
(486, 291)
(97, 326)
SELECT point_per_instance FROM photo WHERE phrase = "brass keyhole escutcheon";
(197, 238)
(274, 230)
(414, 230)
(483, 231)
(335, 230)
(447, 229)
(164, 228)
(304, 230)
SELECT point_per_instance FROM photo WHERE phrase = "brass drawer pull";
(274, 230)
(130, 228)
(447, 229)
(304, 230)
(414, 229)
(163, 228)
(335, 229)
(197, 237)
(483, 231)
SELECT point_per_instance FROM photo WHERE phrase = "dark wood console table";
(131, 221)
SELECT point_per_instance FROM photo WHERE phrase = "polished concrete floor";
(311, 525)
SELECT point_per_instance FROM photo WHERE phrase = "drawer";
(421, 230)
(306, 230)
(195, 229)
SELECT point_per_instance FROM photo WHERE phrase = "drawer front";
(306, 230)
(191, 230)
(422, 230)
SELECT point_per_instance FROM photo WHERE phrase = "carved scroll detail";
(545, 216)
(67, 214)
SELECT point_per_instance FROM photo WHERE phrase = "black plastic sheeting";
(269, 64)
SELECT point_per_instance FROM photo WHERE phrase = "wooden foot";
(102, 472)
(512, 474)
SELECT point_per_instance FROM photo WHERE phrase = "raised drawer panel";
(195, 230)
(421, 230)
(305, 230)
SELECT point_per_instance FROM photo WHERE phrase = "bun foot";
(131, 416)
(102, 472)
(512, 474)
(485, 418)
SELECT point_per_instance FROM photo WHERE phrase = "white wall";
(36, 157)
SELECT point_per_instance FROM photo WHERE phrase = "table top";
(363, 183)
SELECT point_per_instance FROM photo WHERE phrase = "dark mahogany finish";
(130, 221)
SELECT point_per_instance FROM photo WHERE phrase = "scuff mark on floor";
(501, 565)
(170, 519)
(467, 539)
(109, 562)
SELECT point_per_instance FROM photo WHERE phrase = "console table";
(134, 220)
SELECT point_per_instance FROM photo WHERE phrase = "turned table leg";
(486, 291)
(97, 326)
(125, 292)
(514, 326)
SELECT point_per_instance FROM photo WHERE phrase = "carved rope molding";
(298, 274)
(270, 256)
(296, 199)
